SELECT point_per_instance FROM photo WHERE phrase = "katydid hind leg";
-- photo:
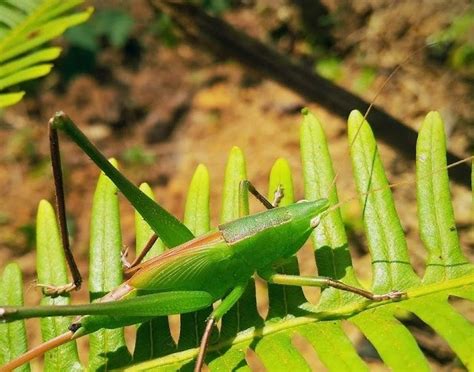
(226, 304)
(324, 282)
(61, 212)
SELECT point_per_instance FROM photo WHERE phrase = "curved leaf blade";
(13, 339)
(107, 346)
(26, 26)
(51, 268)
(143, 231)
(435, 211)
(19, 64)
(333, 347)
(387, 244)
(329, 239)
(282, 299)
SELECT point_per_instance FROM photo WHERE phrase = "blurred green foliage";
(113, 25)
(137, 155)
(164, 29)
(25, 29)
(107, 27)
(21, 146)
(364, 79)
(215, 6)
(455, 43)
(329, 67)
(28, 231)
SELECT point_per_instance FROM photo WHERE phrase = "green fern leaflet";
(25, 27)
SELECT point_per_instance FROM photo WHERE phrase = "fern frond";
(448, 273)
(25, 26)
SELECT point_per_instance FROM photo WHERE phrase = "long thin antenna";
(372, 103)
(401, 183)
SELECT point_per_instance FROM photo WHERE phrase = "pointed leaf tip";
(433, 116)
(146, 188)
(201, 170)
(43, 204)
(236, 150)
(280, 175)
(13, 339)
(196, 215)
(114, 162)
(281, 163)
(355, 114)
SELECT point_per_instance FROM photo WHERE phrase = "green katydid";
(187, 273)
(193, 275)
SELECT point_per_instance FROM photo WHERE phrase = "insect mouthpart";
(315, 222)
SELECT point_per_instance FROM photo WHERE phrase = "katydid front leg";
(246, 185)
(226, 304)
(61, 212)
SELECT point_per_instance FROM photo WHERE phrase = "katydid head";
(305, 217)
(307, 213)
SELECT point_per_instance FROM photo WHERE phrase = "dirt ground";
(178, 107)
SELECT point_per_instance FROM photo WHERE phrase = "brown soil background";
(184, 106)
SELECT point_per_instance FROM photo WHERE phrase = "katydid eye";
(315, 222)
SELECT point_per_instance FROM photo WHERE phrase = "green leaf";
(196, 215)
(25, 27)
(280, 176)
(235, 172)
(13, 340)
(387, 244)
(143, 231)
(154, 337)
(435, 212)
(51, 269)
(107, 346)
(9, 99)
(44, 55)
(25, 74)
(282, 299)
(333, 347)
(329, 239)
